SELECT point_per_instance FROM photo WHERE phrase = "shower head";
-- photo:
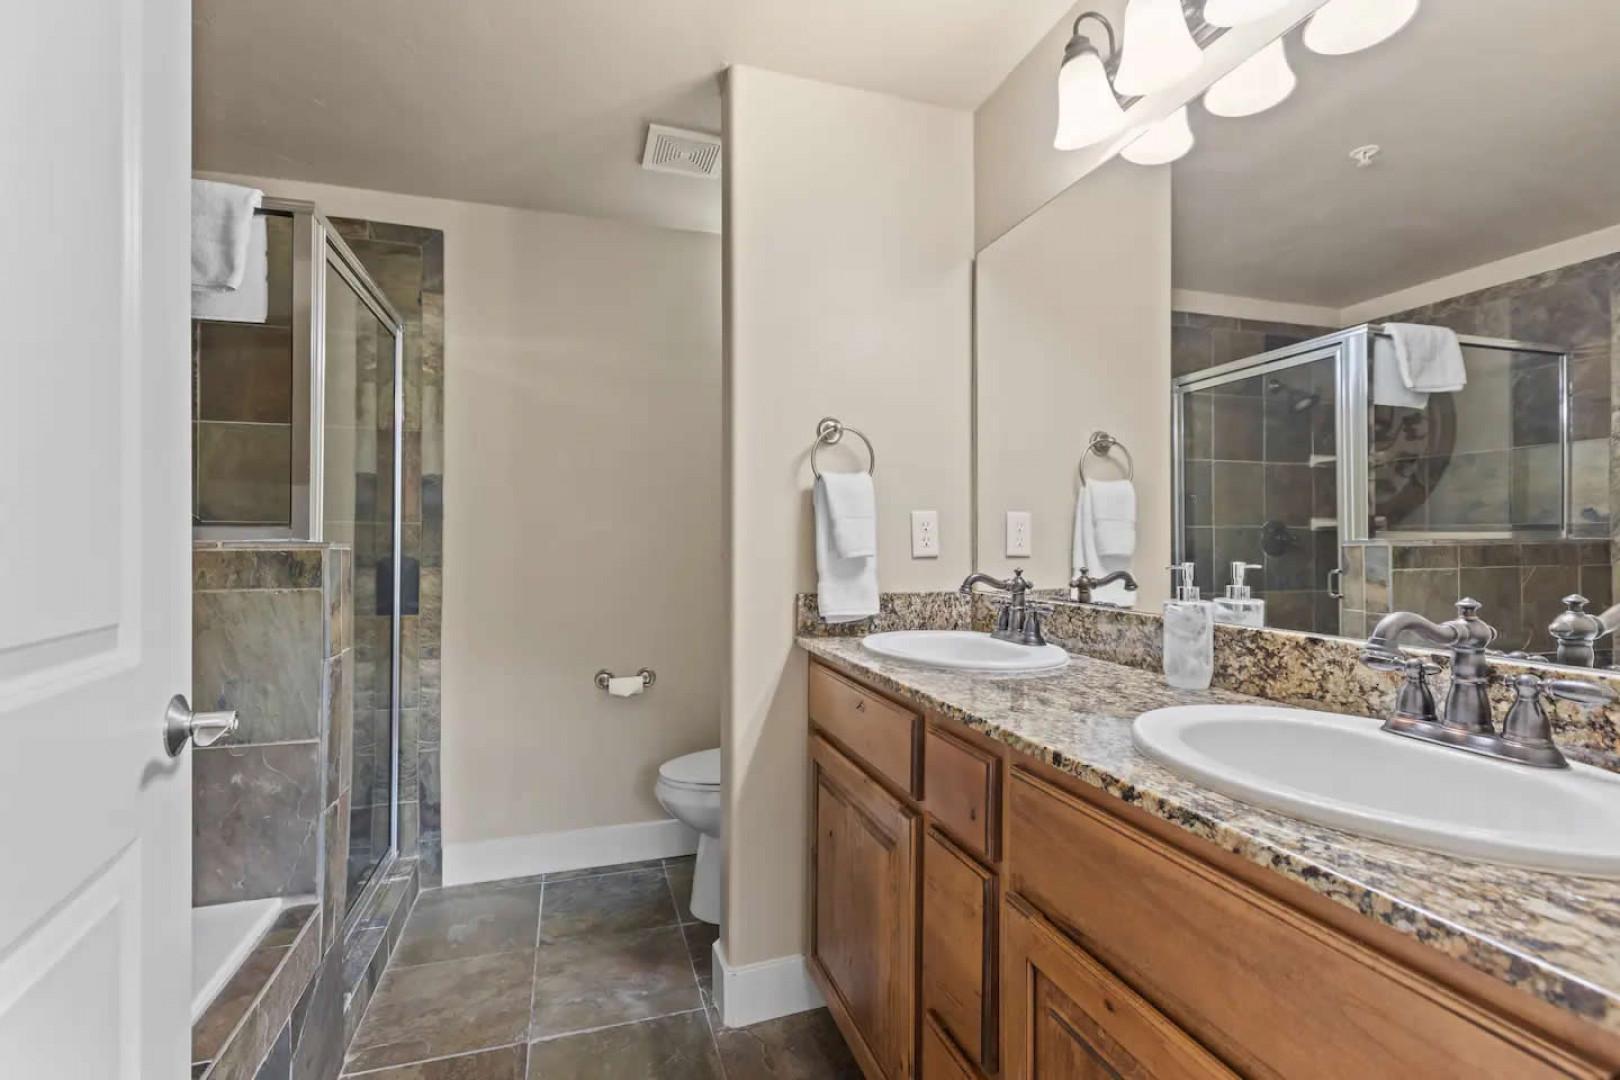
(1300, 401)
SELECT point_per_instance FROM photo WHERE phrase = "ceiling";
(544, 103)
(1497, 137)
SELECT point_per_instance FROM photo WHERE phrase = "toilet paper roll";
(626, 685)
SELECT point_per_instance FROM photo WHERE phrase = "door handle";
(1335, 583)
(181, 725)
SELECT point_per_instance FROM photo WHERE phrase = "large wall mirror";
(1247, 334)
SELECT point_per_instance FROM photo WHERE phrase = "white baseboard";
(752, 993)
(576, 849)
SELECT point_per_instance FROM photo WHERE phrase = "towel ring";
(1103, 444)
(830, 432)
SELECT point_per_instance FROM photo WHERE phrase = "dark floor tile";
(700, 939)
(627, 901)
(505, 1063)
(438, 1010)
(804, 1046)
(598, 871)
(475, 920)
(680, 873)
(594, 980)
(277, 1064)
(671, 1048)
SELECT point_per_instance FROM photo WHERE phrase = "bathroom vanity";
(1003, 886)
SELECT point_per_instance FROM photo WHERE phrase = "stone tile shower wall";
(1519, 584)
(407, 263)
(271, 638)
(1508, 427)
(1257, 471)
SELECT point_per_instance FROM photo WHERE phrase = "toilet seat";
(696, 772)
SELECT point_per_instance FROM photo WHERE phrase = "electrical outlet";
(925, 534)
(1018, 534)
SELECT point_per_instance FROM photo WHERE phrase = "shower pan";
(1284, 459)
(297, 435)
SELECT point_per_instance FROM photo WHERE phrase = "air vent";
(689, 153)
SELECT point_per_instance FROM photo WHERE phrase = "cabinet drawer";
(1271, 990)
(958, 953)
(877, 731)
(1069, 1017)
(959, 789)
(941, 1060)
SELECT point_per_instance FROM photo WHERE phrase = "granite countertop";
(1555, 936)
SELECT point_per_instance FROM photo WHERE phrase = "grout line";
(691, 962)
(534, 978)
(620, 1024)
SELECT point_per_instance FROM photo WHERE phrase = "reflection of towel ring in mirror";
(1103, 444)
(830, 432)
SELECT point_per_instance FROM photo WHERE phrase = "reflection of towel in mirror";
(1105, 535)
(846, 587)
(1410, 361)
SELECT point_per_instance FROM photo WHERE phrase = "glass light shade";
(1161, 143)
(1087, 109)
(1257, 84)
(1238, 12)
(1347, 26)
(1159, 50)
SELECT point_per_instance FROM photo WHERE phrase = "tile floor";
(586, 974)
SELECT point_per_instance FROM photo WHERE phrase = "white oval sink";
(1343, 771)
(963, 650)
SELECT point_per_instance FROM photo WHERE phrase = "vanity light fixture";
(1259, 83)
(1238, 12)
(1347, 26)
(1159, 50)
(1161, 143)
(1088, 111)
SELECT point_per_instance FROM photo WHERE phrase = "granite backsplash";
(1307, 670)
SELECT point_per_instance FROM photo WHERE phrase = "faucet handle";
(1415, 701)
(1528, 731)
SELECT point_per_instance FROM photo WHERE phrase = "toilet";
(688, 789)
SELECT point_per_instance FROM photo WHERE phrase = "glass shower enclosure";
(1287, 460)
(297, 427)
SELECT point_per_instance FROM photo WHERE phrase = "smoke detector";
(675, 150)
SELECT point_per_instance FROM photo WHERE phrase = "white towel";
(222, 217)
(1089, 558)
(846, 588)
(1414, 361)
(1113, 513)
(852, 501)
(250, 300)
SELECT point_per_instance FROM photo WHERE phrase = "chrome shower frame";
(1351, 352)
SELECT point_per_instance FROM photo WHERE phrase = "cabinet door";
(1068, 1018)
(864, 931)
(958, 950)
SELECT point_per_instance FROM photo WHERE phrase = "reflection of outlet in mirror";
(925, 534)
(1018, 530)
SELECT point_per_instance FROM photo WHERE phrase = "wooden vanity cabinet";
(864, 927)
(979, 914)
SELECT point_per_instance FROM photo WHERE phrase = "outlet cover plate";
(925, 534)
(1019, 526)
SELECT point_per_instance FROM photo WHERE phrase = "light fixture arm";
(1079, 43)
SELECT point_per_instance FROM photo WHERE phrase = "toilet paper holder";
(648, 677)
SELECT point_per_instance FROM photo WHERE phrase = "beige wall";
(848, 237)
(1074, 335)
(582, 507)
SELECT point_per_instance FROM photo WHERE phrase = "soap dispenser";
(1239, 607)
(1189, 634)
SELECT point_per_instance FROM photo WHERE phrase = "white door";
(95, 849)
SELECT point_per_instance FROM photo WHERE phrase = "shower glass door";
(359, 492)
(1257, 482)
